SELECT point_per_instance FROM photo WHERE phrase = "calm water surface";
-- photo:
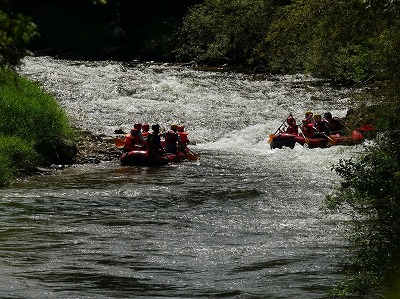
(245, 221)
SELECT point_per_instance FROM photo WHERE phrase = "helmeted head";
(317, 117)
(174, 127)
(137, 126)
(145, 127)
(291, 121)
(181, 128)
(155, 128)
(328, 115)
(308, 114)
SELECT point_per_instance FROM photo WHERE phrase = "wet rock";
(93, 149)
(119, 131)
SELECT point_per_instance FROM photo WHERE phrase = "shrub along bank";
(34, 130)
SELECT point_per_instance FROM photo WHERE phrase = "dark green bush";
(32, 125)
(217, 32)
(325, 38)
(369, 194)
(30, 113)
(17, 157)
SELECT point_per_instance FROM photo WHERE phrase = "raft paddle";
(306, 140)
(368, 127)
(165, 153)
(272, 135)
(331, 141)
(194, 156)
(119, 142)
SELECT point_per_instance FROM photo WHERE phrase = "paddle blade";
(367, 128)
(306, 143)
(332, 141)
(270, 138)
(119, 142)
(191, 155)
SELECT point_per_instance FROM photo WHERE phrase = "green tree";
(369, 190)
(325, 38)
(369, 194)
(230, 31)
(15, 33)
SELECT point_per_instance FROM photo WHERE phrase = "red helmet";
(137, 126)
(145, 127)
(181, 128)
(290, 120)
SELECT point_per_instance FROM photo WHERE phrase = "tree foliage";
(225, 31)
(369, 193)
(325, 38)
(15, 33)
(348, 40)
(99, 29)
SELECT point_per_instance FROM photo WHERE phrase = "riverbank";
(34, 129)
(94, 149)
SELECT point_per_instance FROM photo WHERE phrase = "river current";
(244, 221)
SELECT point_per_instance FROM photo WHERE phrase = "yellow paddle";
(270, 138)
(331, 141)
(119, 142)
(192, 155)
(306, 140)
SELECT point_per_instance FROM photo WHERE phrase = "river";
(244, 221)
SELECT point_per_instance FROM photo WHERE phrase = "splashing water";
(243, 222)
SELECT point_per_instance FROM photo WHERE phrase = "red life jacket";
(308, 131)
(128, 139)
(132, 140)
(145, 134)
(171, 137)
(184, 136)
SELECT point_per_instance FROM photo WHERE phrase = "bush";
(30, 113)
(369, 194)
(16, 157)
(325, 38)
(217, 32)
(33, 127)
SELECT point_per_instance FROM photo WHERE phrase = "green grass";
(32, 125)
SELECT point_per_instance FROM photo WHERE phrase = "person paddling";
(306, 128)
(154, 147)
(145, 131)
(171, 140)
(309, 117)
(134, 140)
(292, 128)
(321, 127)
(184, 140)
(334, 123)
